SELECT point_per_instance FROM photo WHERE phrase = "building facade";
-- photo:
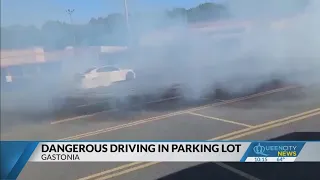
(22, 66)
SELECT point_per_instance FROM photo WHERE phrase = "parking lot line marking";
(105, 111)
(90, 104)
(221, 100)
(155, 118)
(271, 122)
(162, 100)
(193, 109)
(237, 171)
(150, 102)
(80, 117)
(219, 119)
(273, 126)
(261, 94)
(145, 165)
(111, 170)
(229, 136)
(121, 126)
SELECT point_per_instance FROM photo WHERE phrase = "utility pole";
(126, 13)
(70, 13)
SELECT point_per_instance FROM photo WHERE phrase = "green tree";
(112, 30)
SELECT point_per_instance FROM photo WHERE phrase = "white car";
(105, 76)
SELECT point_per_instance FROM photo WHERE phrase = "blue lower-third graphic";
(266, 149)
(14, 156)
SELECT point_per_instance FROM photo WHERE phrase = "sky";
(36, 12)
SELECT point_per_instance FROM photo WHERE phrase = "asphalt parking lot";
(258, 117)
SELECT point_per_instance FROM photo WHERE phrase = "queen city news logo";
(275, 150)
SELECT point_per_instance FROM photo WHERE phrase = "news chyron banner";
(15, 154)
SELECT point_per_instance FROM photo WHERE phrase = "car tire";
(130, 76)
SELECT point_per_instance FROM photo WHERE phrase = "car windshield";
(89, 70)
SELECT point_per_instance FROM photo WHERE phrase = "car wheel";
(129, 76)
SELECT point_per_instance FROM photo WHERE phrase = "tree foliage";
(113, 30)
(110, 30)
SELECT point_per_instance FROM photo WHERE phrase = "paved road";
(247, 118)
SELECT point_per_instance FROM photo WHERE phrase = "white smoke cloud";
(195, 59)
(198, 61)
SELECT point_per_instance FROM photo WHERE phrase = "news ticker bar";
(15, 154)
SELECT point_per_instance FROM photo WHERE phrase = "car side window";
(107, 69)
